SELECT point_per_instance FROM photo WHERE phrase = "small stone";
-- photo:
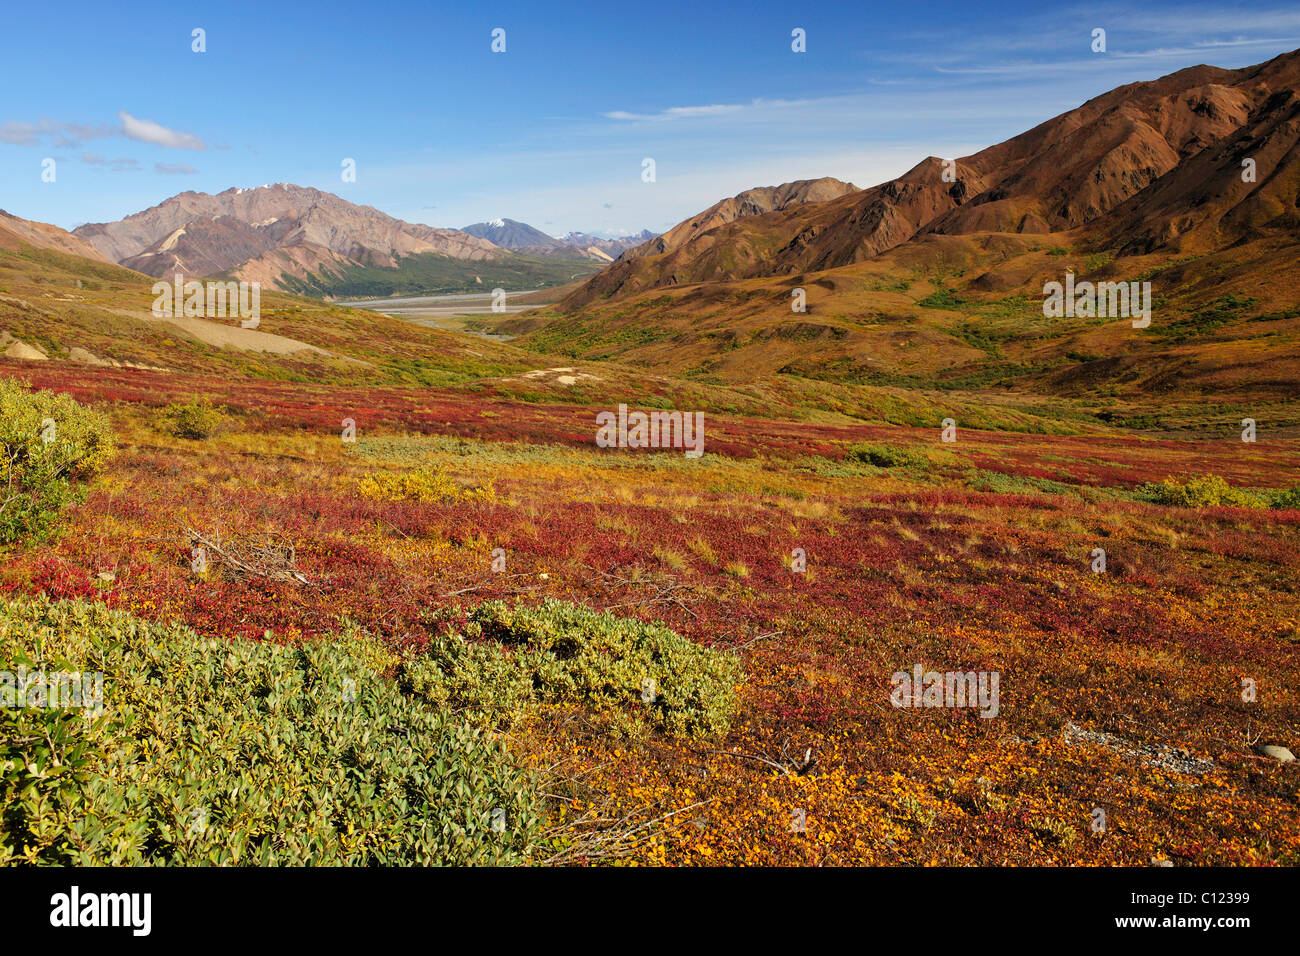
(1280, 754)
(1156, 861)
(108, 577)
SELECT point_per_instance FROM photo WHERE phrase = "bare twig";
(272, 560)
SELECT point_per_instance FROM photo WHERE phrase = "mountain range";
(521, 237)
(302, 239)
(1074, 170)
(936, 278)
(933, 280)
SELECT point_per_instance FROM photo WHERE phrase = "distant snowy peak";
(521, 237)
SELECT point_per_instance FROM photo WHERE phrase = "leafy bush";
(198, 419)
(482, 680)
(1287, 498)
(1206, 491)
(47, 443)
(208, 752)
(888, 456)
(941, 299)
(510, 658)
(420, 484)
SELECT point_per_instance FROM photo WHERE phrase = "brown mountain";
(14, 232)
(752, 202)
(1206, 203)
(922, 282)
(1068, 172)
(270, 232)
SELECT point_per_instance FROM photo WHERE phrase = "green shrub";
(209, 752)
(481, 680)
(47, 444)
(941, 299)
(1287, 498)
(511, 658)
(888, 456)
(197, 419)
(1206, 491)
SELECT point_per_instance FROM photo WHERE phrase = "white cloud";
(147, 131)
(117, 165)
(61, 135)
(676, 112)
(174, 169)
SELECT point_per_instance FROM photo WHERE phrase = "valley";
(889, 448)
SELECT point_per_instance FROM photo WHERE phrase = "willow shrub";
(209, 752)
(1204, 491)
(48, 445)
(507, 659)
(197, 419)
(883, 455)
(1287, 498)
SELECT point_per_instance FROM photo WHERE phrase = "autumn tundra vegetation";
(648, 679)
(357, 590)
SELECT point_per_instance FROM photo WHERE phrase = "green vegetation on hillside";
(432, 274)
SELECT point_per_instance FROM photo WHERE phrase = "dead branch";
(271, 559)
(798, 766)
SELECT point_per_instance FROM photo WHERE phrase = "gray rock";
(1280, 754)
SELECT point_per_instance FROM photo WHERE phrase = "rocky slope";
(263, 233)
(1142, 165)
(14, 232)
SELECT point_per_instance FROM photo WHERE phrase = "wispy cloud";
(175, 169)
(147, 131)
(60, 135)
(116, 165)
(1058, 41)
(1204, 46)
(677, 112)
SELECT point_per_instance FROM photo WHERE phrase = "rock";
(11, 347)
(1156, 861)
(1280, 754)
(108, 577)
(85, 356)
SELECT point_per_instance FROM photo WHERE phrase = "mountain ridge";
(1067, 172)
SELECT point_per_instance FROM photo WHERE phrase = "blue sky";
(553, 131)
